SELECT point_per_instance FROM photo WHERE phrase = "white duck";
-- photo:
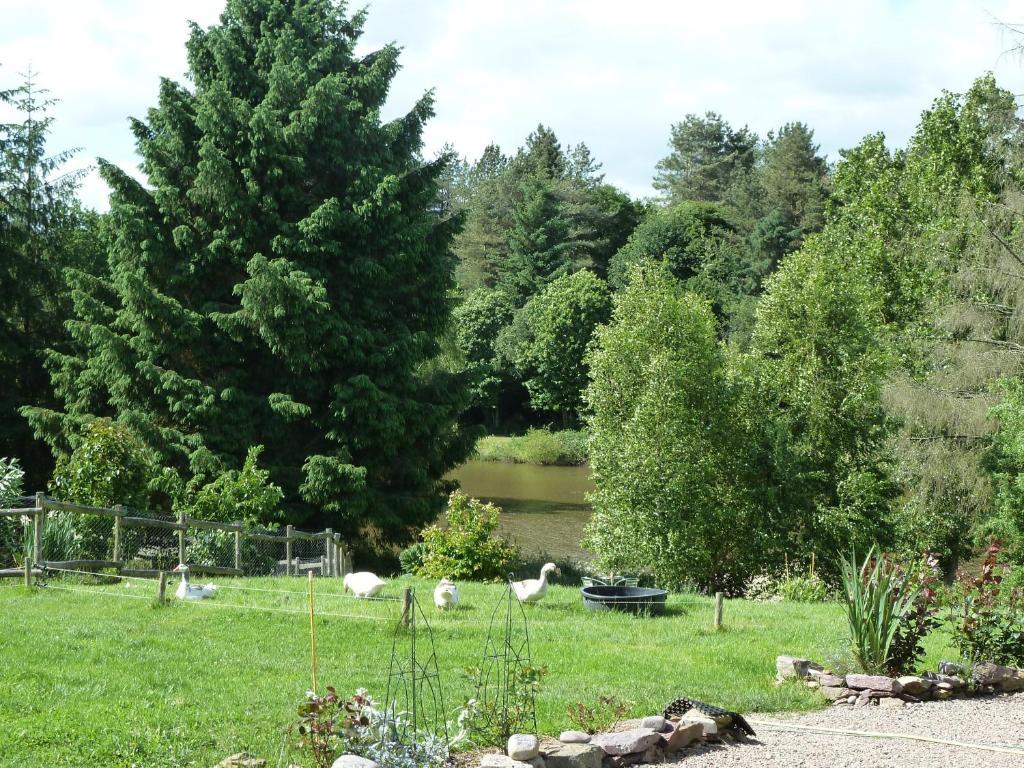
(533, 590)
(446, 594)
(187, 591)
(363, 584)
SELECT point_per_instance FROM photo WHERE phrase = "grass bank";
(104, 677)
(538, 446)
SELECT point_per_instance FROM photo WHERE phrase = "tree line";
(807, 356)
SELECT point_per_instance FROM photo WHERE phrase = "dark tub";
(639, 600)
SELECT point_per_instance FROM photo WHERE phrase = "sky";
(613, 74)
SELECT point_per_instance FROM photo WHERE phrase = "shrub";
(607, 711)
(246, 496)
(108, 466)
(877, 599)
(989, 617)
(11, 529)
(800, 588)
(465, 547)
(411, 558)
(922, 577)
(762, 587)
(489, 722)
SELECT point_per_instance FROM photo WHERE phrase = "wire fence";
(47, 531)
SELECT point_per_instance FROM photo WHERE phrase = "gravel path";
(997, 720)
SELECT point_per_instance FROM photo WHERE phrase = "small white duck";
(187, 591)
(446, 594)
(363, 584)
(533, 590)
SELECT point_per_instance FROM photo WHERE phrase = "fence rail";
(66, 535)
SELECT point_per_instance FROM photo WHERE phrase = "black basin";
(650, 602)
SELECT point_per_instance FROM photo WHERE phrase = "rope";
(884, 735)
(341, 595)
(222, 605)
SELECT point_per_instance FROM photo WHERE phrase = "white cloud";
(613, 74)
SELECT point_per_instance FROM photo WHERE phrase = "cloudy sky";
(613, 74)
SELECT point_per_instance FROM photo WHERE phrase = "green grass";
(538, 446)
(103, 679)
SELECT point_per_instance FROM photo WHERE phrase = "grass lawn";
(107, 680)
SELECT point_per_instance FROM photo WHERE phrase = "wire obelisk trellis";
(414, 701)
(505, 689)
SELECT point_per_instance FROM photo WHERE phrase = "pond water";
(544, 508)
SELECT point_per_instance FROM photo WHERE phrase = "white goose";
(187, 591)
(533, 590)
(446, 594)
(363, 584)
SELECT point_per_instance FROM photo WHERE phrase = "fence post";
(161, 588)
(289, 529)
(339, 555)
(406, 606)
(39, 520)
(28, 571)
(182, 520)
(332, 566)
(238, 546)
(118, 514)
(718, 610)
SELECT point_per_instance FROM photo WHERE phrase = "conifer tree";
(42, 231)
(281, 278)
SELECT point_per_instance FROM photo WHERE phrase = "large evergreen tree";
(708, 157)
(43, 231)
(282, 277)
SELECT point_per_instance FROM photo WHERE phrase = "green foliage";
(108, 466)
(988, 620)
(801, 588)
(537, 446)
(877, 600)
(477, 321)
(411, 558)
(465, 547)
(11, 529)
(247, 496)
(491, 722)
(280, 277)
(707, 158)
(599, 717)
(1007, 462)
(548, 341)
(43, 232)
(666, 445)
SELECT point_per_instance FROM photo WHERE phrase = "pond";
(544, 508)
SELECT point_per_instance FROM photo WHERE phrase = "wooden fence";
(335, 561)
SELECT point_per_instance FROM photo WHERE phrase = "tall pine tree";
(281, 278)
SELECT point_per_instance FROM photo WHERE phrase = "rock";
(654, 754)
(832, 681)
(1006, 679)
(941, 694)
(574, 737)
(864, 699)
(619, 761)
(951, 682)
(683, 735)
(572, 755)
(811, 684)
(788, 667)
(707, 724)
(242, 760)
(874, 683)
(355, 761)
(626, 742)
(496, 760)
(835, 694)
(523, 746)
(951, 669)
(537, 762)
(913, 685)
(891, 702)
(654, 722)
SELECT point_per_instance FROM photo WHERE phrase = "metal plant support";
(414, 702)
(506, 686)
